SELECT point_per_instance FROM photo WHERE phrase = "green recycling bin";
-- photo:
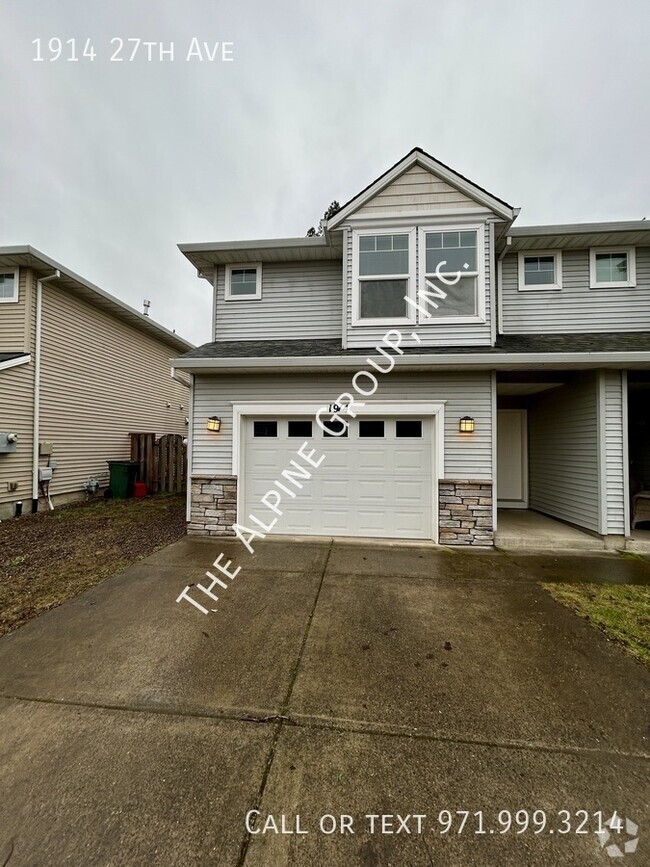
(122, 478)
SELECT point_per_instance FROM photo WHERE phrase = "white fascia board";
(435, 168)
(254, 244)
(15, 362)
(468, 361)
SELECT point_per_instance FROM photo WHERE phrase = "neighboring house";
(513, 389)
(79, 371)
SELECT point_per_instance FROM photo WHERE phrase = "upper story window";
(612, 268)
(8, 286)
(448, 281)
(540, 270)
(243, 282)
(452, 264)
(383, 265)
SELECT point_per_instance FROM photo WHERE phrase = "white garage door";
(376, 481)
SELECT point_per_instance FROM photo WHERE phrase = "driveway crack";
(282, 718)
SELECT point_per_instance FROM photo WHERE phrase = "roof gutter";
(467, 361)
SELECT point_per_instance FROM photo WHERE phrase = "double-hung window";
(452, 274)
(384, 264)
(8, 286)
(612, 268)
(541, 270)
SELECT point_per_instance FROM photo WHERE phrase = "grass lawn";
(621, 611)
(51, 556)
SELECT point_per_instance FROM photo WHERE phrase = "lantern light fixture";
(214, 423)
(466, 424)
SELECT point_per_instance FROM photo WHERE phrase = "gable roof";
(28, 257)
(417, 156)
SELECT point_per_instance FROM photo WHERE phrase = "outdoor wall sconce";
(214, 423)
(466, 424)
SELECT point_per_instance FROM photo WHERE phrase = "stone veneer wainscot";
(465, 509)
(214, 506)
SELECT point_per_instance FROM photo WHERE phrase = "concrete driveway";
(334, 679)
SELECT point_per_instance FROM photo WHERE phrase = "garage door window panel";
(265, 429)
(406, 428)
(371, 428)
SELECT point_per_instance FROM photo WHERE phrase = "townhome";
(499, 367)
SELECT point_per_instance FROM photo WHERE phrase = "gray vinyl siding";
(300, 300)
(431, 333)
(575, 307)
(611, 394)
(564, 452)
(465, 456)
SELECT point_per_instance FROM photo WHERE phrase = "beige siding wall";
(14, 316)
(417, 190)
(100, 380)
(16, 414)
(16, 396)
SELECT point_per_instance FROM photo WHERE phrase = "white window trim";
(258, 283)
(410, 318)
(15, 297)
(540, 287)
(479, 316)
(613, 284)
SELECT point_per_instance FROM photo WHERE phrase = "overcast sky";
(106, 166)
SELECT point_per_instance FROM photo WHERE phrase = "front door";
(512, 459)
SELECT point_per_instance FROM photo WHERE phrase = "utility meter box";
(8, 442)
(45, 449)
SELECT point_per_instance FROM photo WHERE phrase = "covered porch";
(562, 474)
(524, 528)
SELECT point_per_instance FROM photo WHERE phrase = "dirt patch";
(52, 556)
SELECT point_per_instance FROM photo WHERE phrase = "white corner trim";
(602, 452)
(248, 266)
(190, 451)
(630, 283)
(540, 287)
(626, 454)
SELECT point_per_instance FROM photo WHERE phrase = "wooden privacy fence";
(163, 462)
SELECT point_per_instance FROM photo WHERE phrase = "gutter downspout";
(37, 383)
